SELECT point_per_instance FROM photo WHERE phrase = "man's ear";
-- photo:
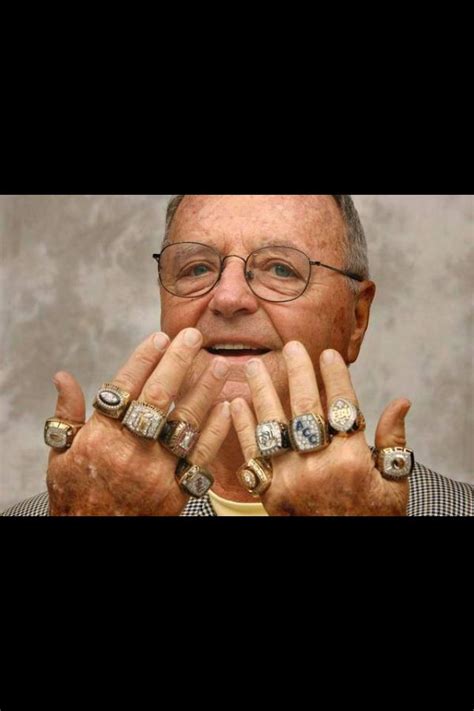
(362, 304)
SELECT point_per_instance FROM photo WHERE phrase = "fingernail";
(226, 409)
(236, 406)
(56, 383)
(252, 367)
(293, 348)
(161, 341)
(192, 337)
(220, 368)
(328, 357)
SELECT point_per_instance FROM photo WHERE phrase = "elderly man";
(243, 404)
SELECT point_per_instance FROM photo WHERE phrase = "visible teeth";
(233, 347)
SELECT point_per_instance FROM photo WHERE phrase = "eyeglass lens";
(273, 273)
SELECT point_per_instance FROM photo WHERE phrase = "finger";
(264, 396)
(163, 385)
(141, 364)
(212, 436)
(195, 405)
(390, 430)
(133, 375)
(336, 377)
(71, 404)
(245, 424)
(304, 392)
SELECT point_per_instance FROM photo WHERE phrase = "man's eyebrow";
(266, 241)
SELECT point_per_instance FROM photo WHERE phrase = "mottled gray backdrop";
(78, 292)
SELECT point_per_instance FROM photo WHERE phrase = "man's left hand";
(340, 480)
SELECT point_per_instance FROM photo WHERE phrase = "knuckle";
(126, 378)
(348, 463)
(208, 386)
(242, 429)
(156, 391)
(203, 452)
(260, 389)
(181, 358)
(142, 362)
(92, 443)
(146, 359)
(398, 439)
(185, 413)
(305, 404)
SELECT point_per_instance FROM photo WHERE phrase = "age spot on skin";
(92, 471)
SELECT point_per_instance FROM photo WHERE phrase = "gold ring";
(144, 420)
(192, 479)
(256, 476)
(59, 434)
(112, 401)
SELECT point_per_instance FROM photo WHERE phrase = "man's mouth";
(236, 350)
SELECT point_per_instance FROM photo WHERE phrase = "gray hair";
(357, 260)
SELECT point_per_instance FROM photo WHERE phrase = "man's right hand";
(108, 471)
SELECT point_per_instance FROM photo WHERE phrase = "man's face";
(324, 317)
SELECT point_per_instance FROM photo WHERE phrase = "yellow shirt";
(225, 507)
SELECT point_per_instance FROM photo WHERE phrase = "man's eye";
(199, 269)
(195, 270)
(282, 271)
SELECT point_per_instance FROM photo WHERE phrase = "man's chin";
(235, 389)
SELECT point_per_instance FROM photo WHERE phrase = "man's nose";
(232, 294)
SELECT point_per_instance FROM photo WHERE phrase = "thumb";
(71, 404)
(390, 430)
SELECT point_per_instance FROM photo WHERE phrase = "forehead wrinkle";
(318, 222)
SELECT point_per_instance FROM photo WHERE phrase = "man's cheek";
(177, 315)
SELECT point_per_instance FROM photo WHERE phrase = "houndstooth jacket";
(430, 495)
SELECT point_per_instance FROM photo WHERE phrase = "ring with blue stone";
(309, 433)
(272, 438)
(112, 401)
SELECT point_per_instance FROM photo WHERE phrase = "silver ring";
(394, 463)
(179, 437)
(272, 438)
(345, 418)
(192, 479)
(112, 401)
(309, 433)
(144, 420)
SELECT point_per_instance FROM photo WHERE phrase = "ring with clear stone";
(144, 420)
(272, 438)
(256, 476)
(193, 479)
(179, 437)
(394, 463)
(112, 401)
(345, 418)
(59, 434)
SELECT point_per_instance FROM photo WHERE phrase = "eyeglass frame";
(312, 263)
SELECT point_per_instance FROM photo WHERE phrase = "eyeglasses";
(279, 274)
